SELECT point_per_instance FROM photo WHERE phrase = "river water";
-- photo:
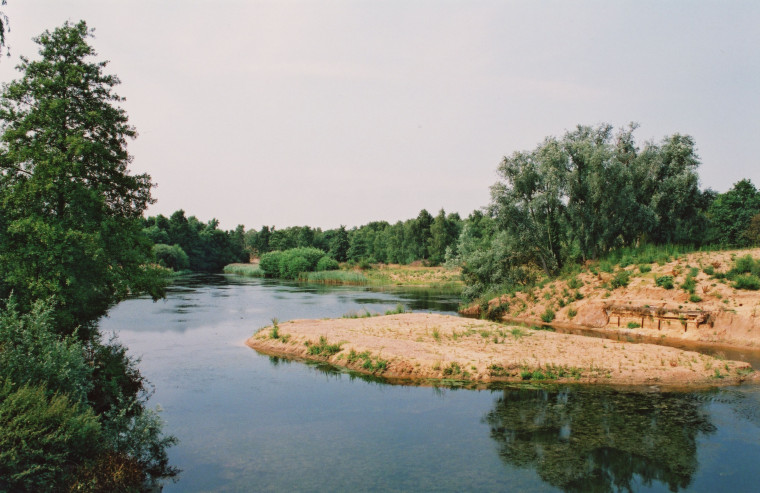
(248, 422)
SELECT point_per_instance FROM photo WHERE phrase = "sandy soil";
(734, 314)
(421, 347)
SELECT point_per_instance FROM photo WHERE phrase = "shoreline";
(416, 349)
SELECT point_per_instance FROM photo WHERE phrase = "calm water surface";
(248, 422)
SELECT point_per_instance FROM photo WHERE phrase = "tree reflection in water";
(600, 440)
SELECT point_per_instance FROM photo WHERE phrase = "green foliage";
(731, 215)
(71, 237)
(70, 208)
(574, 283)
(399, 309)
(249, 270)
(548, 315)
(290, 263)
(32, 354)
(645, 268)
(172, 257)
(747, 281)
(42, 438)
(694, 298)
(208, 249)
(571, 312)
(335, 277)
(620, 279)
(322, 348)
(746, 265)
(633, 325)
(664, 282)
(326, 263)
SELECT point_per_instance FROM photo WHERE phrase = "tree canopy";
(70, 207)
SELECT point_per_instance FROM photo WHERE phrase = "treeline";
(425, 237)
(185, 243)
(579, 197)
(73, 406)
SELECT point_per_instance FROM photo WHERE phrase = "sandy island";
(424, 348)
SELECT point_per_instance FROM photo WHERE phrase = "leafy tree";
(70, 207)
(731, 214)
(340, 245)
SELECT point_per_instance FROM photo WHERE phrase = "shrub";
(644, 268)
(746, 265)
(574, 283)
(694, 298)
(172, 257)
(633, 325)
(621, 279)
(572, 313)
(326, 263)
(689, 284)
(664, 282)
(747, 281)
(270, 263)
(548, 315)
(42, 437)
(709, 270)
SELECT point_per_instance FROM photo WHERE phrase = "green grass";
(322, 348)
(633, 325)
(395, 311)
(571, 312)
(335, 277)
(249, 270)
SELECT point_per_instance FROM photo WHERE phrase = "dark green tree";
(340, 245)
(731, 214)
(70, 209)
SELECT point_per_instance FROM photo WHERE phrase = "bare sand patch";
(420, 347)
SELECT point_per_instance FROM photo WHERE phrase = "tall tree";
(70, 207)
(731, 214)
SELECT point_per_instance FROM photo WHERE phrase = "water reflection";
(601, 440)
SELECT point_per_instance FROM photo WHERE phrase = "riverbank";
(690, 298)
(424, 348)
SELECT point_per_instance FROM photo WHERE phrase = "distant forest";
(569, 200)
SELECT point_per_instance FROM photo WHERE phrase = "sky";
(325, 113)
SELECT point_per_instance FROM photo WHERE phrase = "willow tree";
(69, 205)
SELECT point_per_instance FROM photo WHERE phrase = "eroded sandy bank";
(415, 346)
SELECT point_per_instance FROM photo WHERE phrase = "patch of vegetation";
(620, 279)
(645, 268)
(335, 277)
(572, 312)
(395, 311)
(665, 282)
(747, 281)
(452, 370)
(497, 312)
(574, 283)
(548, 315)
(248, 270)
(694, 298)
(322, 348)
(634, 325)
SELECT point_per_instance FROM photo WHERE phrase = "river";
(248, 422)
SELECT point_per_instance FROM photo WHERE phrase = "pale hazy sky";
(343, 112)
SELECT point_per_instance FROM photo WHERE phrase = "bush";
(270, 263)
(42, 438)
(664, 282)
(621, 279)
(747, 281)
(327, 263)
(746, 265)
(171, 257)
(644, 268)
(548, 315)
